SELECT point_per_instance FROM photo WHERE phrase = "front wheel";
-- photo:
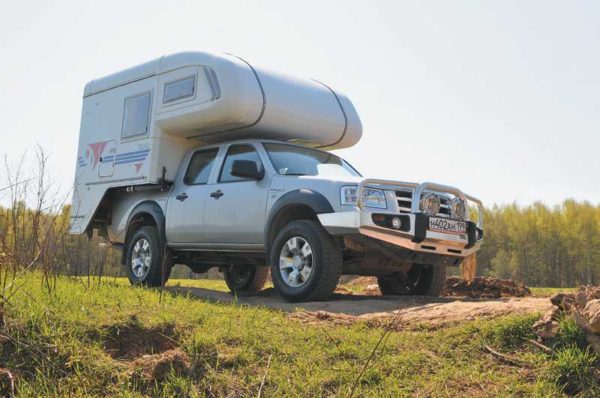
(146, 260)
(421, 280)
(248, 278)
(306, 262)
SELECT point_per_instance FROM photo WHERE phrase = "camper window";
(135, 115)
(179, 89)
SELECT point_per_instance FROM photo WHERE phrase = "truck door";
(185, 211)
(236, 206)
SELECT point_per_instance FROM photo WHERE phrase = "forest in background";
(536, 244)
(540, 245)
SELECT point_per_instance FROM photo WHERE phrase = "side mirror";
(247, 169)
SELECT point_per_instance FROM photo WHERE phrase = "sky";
(499, 98)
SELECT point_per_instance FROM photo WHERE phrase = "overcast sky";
(500, 98)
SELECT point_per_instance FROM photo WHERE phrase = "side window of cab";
(238, 152)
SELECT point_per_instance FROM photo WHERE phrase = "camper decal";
(81, 161)
(138, 166)
(127, 157)
(97, 149)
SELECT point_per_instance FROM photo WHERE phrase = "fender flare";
(155, 211)
(316, 201)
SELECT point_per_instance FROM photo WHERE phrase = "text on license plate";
(447, 226)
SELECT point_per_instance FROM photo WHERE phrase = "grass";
(91, 341)
(549, 291)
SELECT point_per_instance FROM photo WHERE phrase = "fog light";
(430, 204)
(396, 223)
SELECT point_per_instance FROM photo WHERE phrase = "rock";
(547, 326)
(591, 313)
(564, 301)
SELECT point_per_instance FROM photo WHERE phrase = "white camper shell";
(137, 124)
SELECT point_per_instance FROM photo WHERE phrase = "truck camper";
(209, 161)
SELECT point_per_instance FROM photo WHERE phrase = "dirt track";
(411, 310)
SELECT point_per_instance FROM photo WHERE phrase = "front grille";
(445, 207)
(404, 199)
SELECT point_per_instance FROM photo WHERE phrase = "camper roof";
(160, 65)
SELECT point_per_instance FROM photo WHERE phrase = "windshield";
(297, 160)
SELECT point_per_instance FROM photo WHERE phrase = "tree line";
(541, 245)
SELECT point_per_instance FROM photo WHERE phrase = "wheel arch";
(146, 213)
(295, 205)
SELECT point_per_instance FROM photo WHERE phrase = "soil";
(483, 287)
(131, 340)
(346, 307)
(157, 367)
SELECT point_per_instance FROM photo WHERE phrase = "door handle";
(217, 194)
(182, 196)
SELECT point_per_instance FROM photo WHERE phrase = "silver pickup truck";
(306, 216)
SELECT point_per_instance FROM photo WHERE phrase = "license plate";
(446, 226)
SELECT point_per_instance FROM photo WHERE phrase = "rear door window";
(200, 166)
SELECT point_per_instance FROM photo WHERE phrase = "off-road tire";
(252, 283)
(431, 283)
(161, 260)
(327, 262)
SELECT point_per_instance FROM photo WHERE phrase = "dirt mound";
(418, 312)
(151, 368)
(132, 340)
(484, 287)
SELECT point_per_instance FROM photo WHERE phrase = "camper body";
(138, 124)
(193, 159)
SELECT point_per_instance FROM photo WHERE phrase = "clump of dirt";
(156, 367)
(132, 340)
(484, 287)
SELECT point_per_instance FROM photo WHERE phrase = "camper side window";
(200, 166)
(136, 115)
(179, 89)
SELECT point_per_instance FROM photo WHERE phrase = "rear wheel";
(422, 280)
(249, 278)
(306, 262)
(146, 260)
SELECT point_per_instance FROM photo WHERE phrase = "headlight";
(458, 209)
(373, 198)
(430, 203)
(348, 195)
(370, 197)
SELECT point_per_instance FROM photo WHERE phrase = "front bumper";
(414, 234)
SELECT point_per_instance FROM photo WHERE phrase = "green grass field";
(98, 340)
